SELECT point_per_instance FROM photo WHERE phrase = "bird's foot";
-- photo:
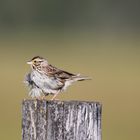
(42, 97)
(54, 99)
(54, 96)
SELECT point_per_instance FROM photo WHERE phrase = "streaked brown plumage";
(46, 79)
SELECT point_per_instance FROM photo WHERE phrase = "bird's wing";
(28, 79)
(53, 71)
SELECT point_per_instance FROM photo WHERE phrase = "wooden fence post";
(61, 120)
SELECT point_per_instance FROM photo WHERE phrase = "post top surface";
(61, 101)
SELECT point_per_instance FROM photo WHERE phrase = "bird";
(45, 79)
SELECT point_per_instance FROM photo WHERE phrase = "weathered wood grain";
(61, 120)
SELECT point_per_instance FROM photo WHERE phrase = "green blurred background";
(100, 39)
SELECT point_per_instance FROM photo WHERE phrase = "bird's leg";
(40, 97)
(43, 97)
(53, 98)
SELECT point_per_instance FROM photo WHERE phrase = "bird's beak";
(29, 62)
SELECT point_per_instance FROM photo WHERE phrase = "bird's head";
(37, 61)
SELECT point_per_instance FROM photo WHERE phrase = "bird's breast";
(46, 82)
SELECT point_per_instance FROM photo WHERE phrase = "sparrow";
(45, 79)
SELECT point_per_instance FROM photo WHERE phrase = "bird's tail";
(79, 77)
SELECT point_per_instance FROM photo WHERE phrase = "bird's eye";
(34, 61)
